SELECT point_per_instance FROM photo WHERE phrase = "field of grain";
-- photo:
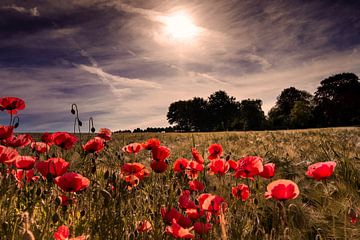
(109, 209)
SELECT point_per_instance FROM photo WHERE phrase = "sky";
(124, 62)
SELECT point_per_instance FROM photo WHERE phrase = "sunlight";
(179, 26)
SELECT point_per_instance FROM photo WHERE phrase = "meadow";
(116, 205)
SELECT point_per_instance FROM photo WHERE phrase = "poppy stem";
(11, 118)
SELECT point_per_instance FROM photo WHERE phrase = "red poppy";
(40, 147)
(6, 131)
(64, 140)
(196, 155)
(196, 186)
(193, 169)
(212, 203)
(21, 141)
(321, 170)
(193, 213)
(94, 145)
(184, 200)
(63, 233)
(248, 167)
(282, 189)
(215, 151)
(169, 215)
(160, 153)
(202, 228)
(353, 216)
(24, 162)
(132, 148)
(133, 173)
(180, 164)
(48, 138)
(233, 164)
(12, 104)
(8, 155)
(151, 143)
(105, 134)
(53, 166)
(64, 200)
(29, 176)
(218, 166)
(143, 226)
(179, 232)
(268, 171)
(72, 182)
(158, 166)
(241, 191)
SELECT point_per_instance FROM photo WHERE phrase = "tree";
(337, 100)
(301, 115)
(222, 110)
(252, 116)
(279, 116)
(190, 115)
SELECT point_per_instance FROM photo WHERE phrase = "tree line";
(336, 102)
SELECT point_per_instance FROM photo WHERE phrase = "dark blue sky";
(117, 62)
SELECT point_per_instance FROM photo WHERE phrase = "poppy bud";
(80, 123)
(55, 218)
(72, 111)
(106, 174)
(82, 213)
(38, 192)
(93, 130)
(16, 125)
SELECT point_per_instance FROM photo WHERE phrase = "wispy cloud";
(32, 11)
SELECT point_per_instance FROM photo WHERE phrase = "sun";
(180, 26)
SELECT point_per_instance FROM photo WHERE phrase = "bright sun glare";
(180, 26)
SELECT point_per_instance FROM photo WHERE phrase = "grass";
(107, 210)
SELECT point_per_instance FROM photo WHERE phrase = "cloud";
(32, 11)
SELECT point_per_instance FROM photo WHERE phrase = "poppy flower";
(63, 233)
(241, 191)
(24, 162)
(64, 140)
(158, 166)
(143, 226)
(193, 169)
(184, 200)
(179, 232)
(72, 182)
(233, 164)
(202, 228)
(180, 164)
(193, 213)
(8, 155)
(40, 147)
(12, 104)
(209, 202)
(48, 138)
(6, 131)
(53, 166)
(94, 145)
(195, 185)
(132, 173)
(64, 200)
(29, 175)
(215, 151)
(248, 167)
(321, 170)
(169, 215)
(282, 189)
(196, 155)
(268, 171)
(151, 143)
(353, 216)
(218, 166)
(160, 153)
(105, 134)
(21, 141)
(132, 148)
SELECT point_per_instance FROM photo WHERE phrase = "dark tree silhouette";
(338, 100)
(279, 116)
(252, 117)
